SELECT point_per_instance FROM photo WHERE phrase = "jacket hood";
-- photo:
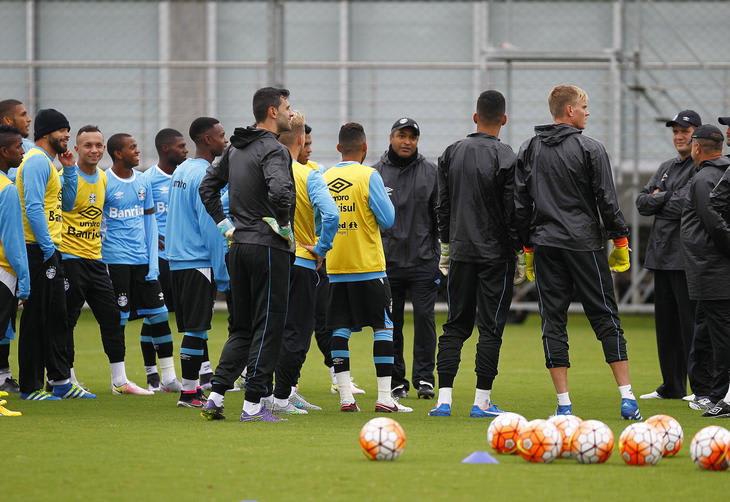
(720, 163)
(554, 134)
(387, 159)
(244, 136)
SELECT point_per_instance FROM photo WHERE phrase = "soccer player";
(412, 252)
(315, 224)
(88, 280)
(14, 114)
(564, 199)
(663, 197)
(359, 290)
(196, 252)
(478, 244)
(14, 275)
(129, 248)
(257, 169)
(43, 333)
(705, 235)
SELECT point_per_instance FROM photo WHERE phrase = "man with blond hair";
(561, 225)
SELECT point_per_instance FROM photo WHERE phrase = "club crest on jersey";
(92, 198)
(161, 296)
(122, 300)
(389, 191)
(66, 284)
(142, 194)
(51, 272)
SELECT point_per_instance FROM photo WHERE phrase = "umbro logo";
(338, 185)
(91, 213)
(165, 189)
(389, 191)
(118, 195)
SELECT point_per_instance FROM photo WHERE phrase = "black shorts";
(195, 297)
(136, 297)
(8, 307)
(355, 305)
(166, 284)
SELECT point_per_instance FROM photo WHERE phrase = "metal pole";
(508, 96)
(30, 53)
(211, 49)
(276, 43)
(616, 88)
(635, 264)
(163, 73)
(344, 55)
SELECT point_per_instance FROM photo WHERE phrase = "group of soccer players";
(270, 228)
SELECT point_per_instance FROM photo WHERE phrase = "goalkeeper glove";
(284, 232)
(618, 260)
(529, 263)
(521, 269)
(226, 228)
(444, 260)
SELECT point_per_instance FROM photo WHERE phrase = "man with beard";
(14, 114)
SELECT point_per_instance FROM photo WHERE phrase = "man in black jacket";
(478, 244)
(412, 252)
(663, 198)
(257, 169)
(706, 243)
(563, 191)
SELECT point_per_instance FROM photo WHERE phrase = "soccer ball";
(669, 431)
(592, 443)
(640, 444)
(539, 441)
(708, 448)
(382, 439)
(567, 425)
(504, 431)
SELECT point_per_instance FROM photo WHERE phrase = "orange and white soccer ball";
(539, 442)
(592, 442)
(567, 425)
(709, 448)
(669, 431)
(382, 438)
(504, 431)
(640, 444)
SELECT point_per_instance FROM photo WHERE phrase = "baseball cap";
(724, 120)
(404, 122)
(710, 132)
(685, 118)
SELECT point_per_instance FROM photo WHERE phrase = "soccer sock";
(332, 375)
(445, 395)
(73, 376)
(384, 395)
(150, 370)
(564, 399)
(216, 398)
(626, 392)
(4, 374)
(65, 381)
(205, 367)
(158, 329)
(482, 397)
(345, 387)
(341, 350)
(281, 403)
(168, 369)
(119, 373)
(251, 408)
(191, 357)
(383, 353)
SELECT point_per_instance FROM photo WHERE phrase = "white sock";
(189, 385)
(167, 365)
(345, 387)
(445, 395)
(626, 392)
(281, 403)
(205, 368)
(216, 398)
(384, 395)
(332, 375)
(251, 408)
(73, 376)
(150, 370)
(59, 382)
(5, 374)
(482, 397)
(564, 399)
(119, 374)
(293, 391)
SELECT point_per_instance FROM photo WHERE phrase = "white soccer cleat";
(691, 397)
(353, 386)
(173, 386)
(651, 395)
(132, 389)
(289, 409)
(298, 400)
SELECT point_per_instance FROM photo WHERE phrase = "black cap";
(404, 122)
(48, 121)
(685, 118)
(307, 129)
(724, 120)
(708, 131)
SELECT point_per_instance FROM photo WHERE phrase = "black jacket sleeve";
(715, 225)
(216, 177)
(506, 180)
(720, 197)
(444, 205)
(523, 204)
(605, 192)
(433, 207)
(276, 167)
(649, 203)
(674, 204)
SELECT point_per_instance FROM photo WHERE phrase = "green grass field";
(139, 448)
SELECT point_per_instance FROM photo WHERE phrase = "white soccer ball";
(382, 438)
(592, 442)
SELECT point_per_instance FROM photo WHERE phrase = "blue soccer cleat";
(630, 409)
(72, 391)
(442, 410)
(491, 412)
(38, 395)
(564, 409)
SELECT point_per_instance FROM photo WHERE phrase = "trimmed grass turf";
(139, 448)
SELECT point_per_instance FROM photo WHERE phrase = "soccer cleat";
(153, 382)
(172, 386)
(289, 409)
(264, 415)
(38, 395)
(130, 388)
(690, 397)
(10, 385)
(239, 385)
(630, 409)
(399, 392)
(564, 409)
(355, 389)
(3, 393)
(349, 407)
(206, 381)
(702, 404)
(4, 412)
(189, 399)
(441, 410)
(212, 412)
(651, 395)
(396, 407)
(425, 390)
(491, 412)
(268, 402)
(720, 410)
(72, 391)
(200, 394)
(298, 400)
